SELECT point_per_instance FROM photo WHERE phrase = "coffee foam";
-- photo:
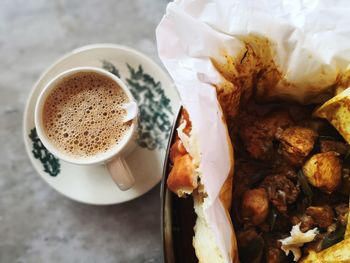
(83, 115)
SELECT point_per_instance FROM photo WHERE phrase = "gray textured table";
(36, 223)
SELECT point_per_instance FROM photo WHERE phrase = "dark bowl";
(177, 217)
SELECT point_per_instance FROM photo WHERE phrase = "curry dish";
(292, 173)
(292, 170)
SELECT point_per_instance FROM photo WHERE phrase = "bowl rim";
(165, 197)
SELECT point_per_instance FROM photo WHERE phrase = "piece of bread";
(204, 241)
(184, 179)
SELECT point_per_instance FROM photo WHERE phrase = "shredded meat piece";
(296, 144)
(307, 222)
(342, 211)
(281, 191)
(333, 146)
(322, 215)
(258, 133)
(296, 240)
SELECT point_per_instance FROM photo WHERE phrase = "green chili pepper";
(305, 187)
(334, 237)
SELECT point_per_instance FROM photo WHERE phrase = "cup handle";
(120, 173)
(131, 111)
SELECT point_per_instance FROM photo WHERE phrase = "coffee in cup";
(87, 116)
(84, 115)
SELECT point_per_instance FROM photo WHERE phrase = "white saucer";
(158, 101)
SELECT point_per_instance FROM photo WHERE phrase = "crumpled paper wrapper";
(303, 49)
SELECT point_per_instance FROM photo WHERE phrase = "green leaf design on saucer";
(50, 163)
(110, 67)
(154, 123)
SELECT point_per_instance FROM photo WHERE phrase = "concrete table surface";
(37, 224)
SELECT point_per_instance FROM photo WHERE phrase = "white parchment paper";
(312, 47)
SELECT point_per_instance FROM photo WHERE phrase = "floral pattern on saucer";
(154, 122)
(50, 163)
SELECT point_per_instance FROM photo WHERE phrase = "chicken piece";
(333, 146)
(323, 170)
(306, 222)
(281, 191)
(182, 178)
(257, 133)
(255, 206)
(296, 144)
(177, 150)
(342, 211)
(322, 215)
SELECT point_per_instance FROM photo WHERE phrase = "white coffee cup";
(113, 158)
